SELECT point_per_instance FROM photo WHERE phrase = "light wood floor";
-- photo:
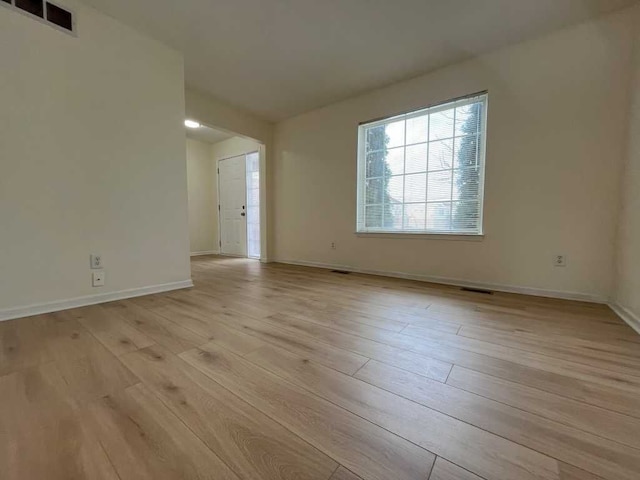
(280, 372)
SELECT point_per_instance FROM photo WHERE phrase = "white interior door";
(232, 188)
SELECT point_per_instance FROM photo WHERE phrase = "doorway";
(239, 205)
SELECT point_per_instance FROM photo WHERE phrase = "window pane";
(376, 138)
(253, 196)
(374, 190)
(468, 119)
(466, 184)
(395, 161)
(416, 158)
(395, 189)
(393, 216)
(439, 187)
(440, 155)
(415, 187)
(439, 216)
(415, 216)
(466, 149)
(441, 125)
(373, 216)
(466, 216)
(395, 134)
(253, 204)
(376, 164)
(417, 129)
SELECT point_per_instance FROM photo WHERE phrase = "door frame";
(261, 169)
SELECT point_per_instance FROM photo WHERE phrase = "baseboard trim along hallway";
(57, 305)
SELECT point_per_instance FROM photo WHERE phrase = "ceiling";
(279, 58)
(207, 134)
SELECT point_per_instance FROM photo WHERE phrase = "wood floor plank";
(591, 391)
(596, 420)
(341, 359)
(23, 343)
(580, 371)
(94, 375)
(424, 365)
(444, 470)
(576, 447)
(111, 330)
(144, 440)
(162, 331)
(343, 474)
(33, 398)
(205, 325)
(64, 450)
(487, 454)
(364, 448)
(568, 351)
(252, 444)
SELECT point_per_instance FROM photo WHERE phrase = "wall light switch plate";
(560, 261)
(96, 261)
(98, 278)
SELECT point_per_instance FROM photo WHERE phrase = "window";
(253, 205)
(423, 172)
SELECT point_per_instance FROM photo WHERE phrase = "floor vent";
(341, 272)
(476, 290)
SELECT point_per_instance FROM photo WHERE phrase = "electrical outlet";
(96, 261)
(98, 278)
(560, 261)
(333, 245)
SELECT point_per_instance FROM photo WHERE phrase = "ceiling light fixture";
(191, 124)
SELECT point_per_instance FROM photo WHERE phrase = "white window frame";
(361, 176)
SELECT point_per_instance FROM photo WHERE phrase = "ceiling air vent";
(49, 12)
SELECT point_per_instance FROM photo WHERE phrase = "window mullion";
(453, 161)
(426, 187)
(404, 172)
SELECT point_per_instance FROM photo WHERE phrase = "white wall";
(215, 113)
(233, 147)
(203, 199)
(554, 157)
(628, 281)
(92, 159)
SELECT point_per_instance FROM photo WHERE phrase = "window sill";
(461, 237)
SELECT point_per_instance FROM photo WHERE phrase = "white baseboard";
(538, 292)
(627, 315)
(48, 307)
(206, 252)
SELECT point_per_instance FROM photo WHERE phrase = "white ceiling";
(207, 134)
(279, 58)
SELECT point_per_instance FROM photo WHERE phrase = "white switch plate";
(96, 261)
(98, 278)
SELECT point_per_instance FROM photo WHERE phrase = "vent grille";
(477, 290)
(48, 12)
(34, 7)
(59, 16)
